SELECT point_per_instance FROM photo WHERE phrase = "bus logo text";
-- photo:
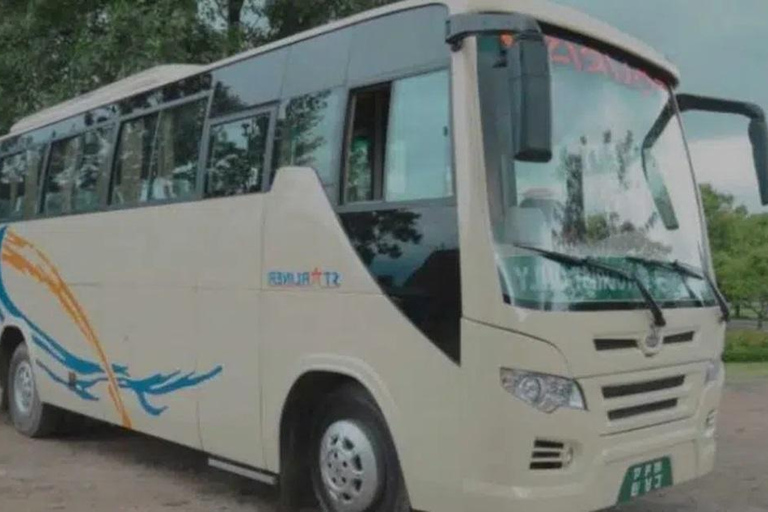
(316, 278)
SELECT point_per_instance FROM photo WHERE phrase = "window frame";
(17, 218)
(382, 204)
(158, 109)
(272, 109)
(44, 170)
(337, 162)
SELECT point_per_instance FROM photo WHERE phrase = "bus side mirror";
(758, 136)
(758, 131)
(531, 86)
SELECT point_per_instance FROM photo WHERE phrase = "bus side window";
(13, 171)
(418, 163)
(64, 161)
(237, 156)
(398, 144)
(92, 175)
(177, 152)
(157, 156)
(77, 172)
(307, 131)
(130, 184)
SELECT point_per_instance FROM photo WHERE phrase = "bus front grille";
(644, 399)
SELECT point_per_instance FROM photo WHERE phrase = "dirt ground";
(106, 469)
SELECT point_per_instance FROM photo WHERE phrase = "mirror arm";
(689, 102)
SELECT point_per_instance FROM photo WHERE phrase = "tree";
(54, 50)
(287, 17)
(739, 244)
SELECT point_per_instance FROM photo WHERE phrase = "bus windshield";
(607, 194)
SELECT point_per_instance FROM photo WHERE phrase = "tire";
(29, 415)
(354, 465)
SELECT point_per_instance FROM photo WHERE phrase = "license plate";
(646, 477)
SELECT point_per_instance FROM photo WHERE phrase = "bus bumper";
(500, 436)
(596, 477)
(598, 486)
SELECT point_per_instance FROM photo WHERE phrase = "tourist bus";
(442, 256)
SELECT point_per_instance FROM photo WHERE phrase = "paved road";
(106, 470)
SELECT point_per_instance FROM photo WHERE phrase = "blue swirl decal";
(89, 375)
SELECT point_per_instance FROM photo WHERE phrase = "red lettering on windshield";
(574, 53)
(588, 60)
(556, 54)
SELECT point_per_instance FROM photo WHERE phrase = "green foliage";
(739, 244)
(288, 17)
(746, 346)
(53, 50)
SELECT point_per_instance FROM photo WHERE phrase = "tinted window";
(399, 145)
(157, 157)
(64, 161)
(134, 155)
(92, 174)
(366, 145)
(392, 44)
(177, 152)
(35, 158)
(418, 159)
(308, 131)
(13, 171)
(237, 156)
(252, 82)
(318, 64)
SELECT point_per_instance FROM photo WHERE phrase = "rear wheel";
(355, 466)
(30, 416)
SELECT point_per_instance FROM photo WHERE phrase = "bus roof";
(156, 77)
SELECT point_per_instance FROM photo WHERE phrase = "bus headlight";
(546, 393)
(713, 371)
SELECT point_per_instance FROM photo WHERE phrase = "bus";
(442, 256)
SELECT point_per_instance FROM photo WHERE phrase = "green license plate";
(646, 477)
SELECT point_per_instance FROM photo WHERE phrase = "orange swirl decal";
(24, 257)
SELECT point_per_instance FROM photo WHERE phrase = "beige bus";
(442, 256)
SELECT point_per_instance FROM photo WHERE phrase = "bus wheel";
(30, 416)
(355, 466)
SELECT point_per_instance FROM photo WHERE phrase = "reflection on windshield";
(600, 196)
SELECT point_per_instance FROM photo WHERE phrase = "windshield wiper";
(576, 261)
(682, 268)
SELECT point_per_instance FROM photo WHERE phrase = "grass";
(742, 346)
(737, 372)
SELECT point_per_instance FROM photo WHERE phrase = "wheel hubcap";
(24, 388)
(348, 467)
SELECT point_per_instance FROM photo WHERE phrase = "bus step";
(256, 474)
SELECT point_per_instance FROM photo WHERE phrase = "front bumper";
(501, 440)
(597, 485)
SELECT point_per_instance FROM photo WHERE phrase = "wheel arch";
(293, 426)
(11, 337)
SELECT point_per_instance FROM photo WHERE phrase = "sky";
(721, 50)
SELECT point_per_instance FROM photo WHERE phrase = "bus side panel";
(344, 323)
(228, 326)
(51, 290)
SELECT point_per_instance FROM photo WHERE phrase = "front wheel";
(355, 466)
(30, 416)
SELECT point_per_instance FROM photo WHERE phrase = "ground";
(106, 469)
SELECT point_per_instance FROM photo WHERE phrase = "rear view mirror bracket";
(526, 57)
(461, 26)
